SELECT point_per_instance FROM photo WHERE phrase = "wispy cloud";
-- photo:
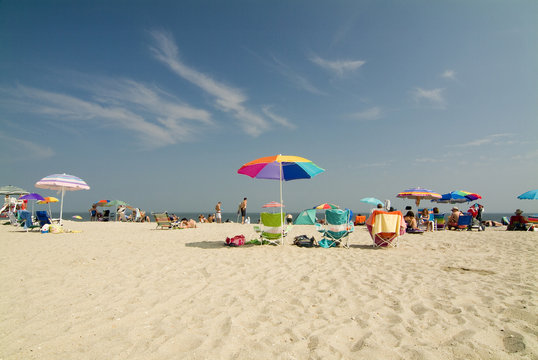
(296, 79)
(494, 139)
(227, 98)
(370, 114)
(24, 149)
(277, 118)
(339, 67)
(155, 117)
(449, 74)
(433, 97)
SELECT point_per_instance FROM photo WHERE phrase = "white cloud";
(449, 74)
(434, 97)
(373, 113)
(338, 66)
(277, 118)
(228, 99)
(156, 118)
(494, 139)
(298, 80)
(16, 149)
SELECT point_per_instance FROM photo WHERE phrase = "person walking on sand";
(218, 214)
(243, 209)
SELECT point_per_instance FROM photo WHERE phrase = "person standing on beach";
(243, 208)
(218, 215)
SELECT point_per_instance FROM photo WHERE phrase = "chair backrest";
(272, 225)
(465, 220)
(42, 217)
(12, 219)
(386, 222)
(337, 220)
(161, 218)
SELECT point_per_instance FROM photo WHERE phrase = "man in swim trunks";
(243, 208)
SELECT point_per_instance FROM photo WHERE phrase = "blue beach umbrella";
(371, 201)
(529, 195)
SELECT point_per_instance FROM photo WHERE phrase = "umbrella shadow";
(364, 247)
(215, 245)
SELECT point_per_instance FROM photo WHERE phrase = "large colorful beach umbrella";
(529, 195)
(63, 183)
(418, 194)
(458, 196)
(281, 168)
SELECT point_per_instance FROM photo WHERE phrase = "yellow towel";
(388, 223)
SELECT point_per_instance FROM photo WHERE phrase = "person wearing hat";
(452, 222)
(518, 221)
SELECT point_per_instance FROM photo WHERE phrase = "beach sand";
(128, 291)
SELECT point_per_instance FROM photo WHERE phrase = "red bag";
(237, 240)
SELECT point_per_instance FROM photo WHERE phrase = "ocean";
(254, 216)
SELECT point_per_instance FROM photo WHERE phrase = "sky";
(160, 103)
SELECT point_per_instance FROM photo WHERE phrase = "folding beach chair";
(25, 220)
(337, 227)
(385, 227)
(43, 218)
(163, 221)
(271, 228)
(439, 222)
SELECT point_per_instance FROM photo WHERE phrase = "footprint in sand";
(419, 309)
(513, 342)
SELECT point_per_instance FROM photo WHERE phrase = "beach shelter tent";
(306, 217)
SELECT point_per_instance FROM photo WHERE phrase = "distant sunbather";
(185, 224)
(452, 222)
(411, 221)
(518, 221)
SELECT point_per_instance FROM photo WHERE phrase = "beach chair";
(271, 228)
(439, 222)
(43, 218)
(385, 227)
(337, 227)
(25, 220)
(163, 221)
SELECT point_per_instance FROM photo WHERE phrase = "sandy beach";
(128, 291)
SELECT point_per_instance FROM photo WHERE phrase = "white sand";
(127, 291)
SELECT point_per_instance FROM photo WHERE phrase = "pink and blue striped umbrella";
(63, 183)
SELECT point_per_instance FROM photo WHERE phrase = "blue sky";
(159, 103)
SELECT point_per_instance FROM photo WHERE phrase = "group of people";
(136, 215)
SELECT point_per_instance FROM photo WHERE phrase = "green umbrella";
(12, 190)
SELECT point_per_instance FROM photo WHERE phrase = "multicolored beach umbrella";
(529, 195)
(418, 194)
(459, 196)
(326, 206)
(63, 183)
(281, 168)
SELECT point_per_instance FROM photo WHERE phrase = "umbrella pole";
(281, 204)
(62, 205)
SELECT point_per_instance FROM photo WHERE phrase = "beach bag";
(237, 240)
(303, 241)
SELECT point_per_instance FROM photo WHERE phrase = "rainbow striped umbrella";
(418, 194)
(458, 196)
(63, 183)
(281, 168)
(326, 206)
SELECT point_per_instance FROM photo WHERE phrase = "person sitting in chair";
(425, 219)
(452, 222)
(518, 221)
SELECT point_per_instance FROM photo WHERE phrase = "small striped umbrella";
(63, 183)
(273, 204)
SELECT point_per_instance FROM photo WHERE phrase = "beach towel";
(237, 240)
